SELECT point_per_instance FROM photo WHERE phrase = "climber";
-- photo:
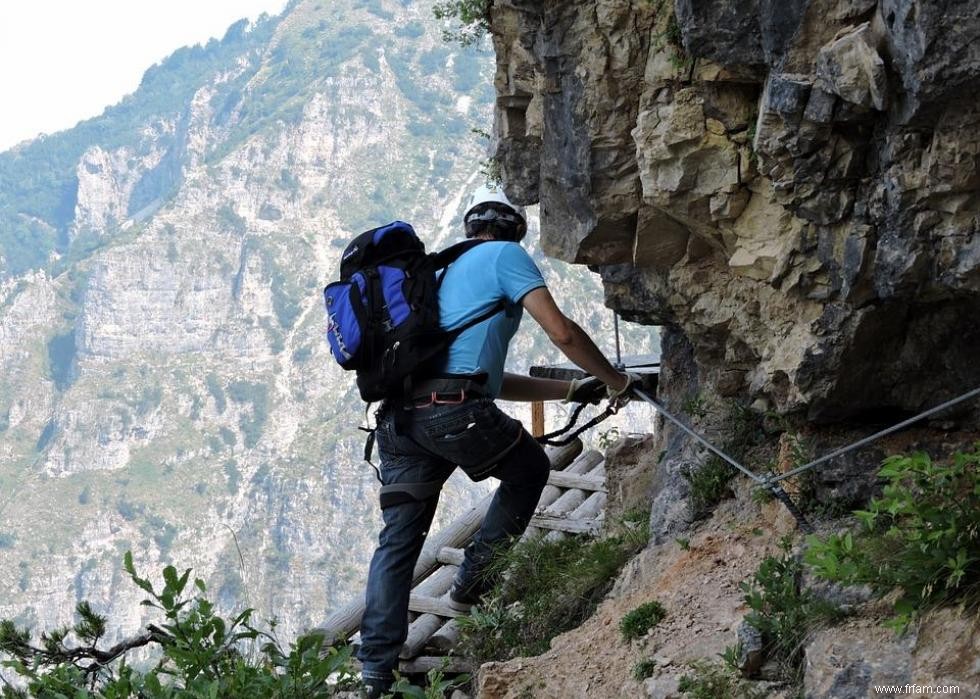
(451, 420)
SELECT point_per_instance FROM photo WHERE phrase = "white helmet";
(489, 207)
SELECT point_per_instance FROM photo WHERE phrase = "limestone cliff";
(793, 187)
(793, 191)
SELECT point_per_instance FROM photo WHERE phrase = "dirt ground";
(698, 587)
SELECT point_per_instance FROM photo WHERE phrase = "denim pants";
(482, 440)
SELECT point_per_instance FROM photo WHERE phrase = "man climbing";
(452, 421)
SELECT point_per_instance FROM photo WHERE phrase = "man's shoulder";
(498, 250)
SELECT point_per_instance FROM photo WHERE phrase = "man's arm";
(567, 336)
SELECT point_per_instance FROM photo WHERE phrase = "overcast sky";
(62, 61)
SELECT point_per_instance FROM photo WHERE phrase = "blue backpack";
(383, 313)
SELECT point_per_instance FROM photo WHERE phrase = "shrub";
(437, 686)
(783, 612)
(472, 19)
(202, 654)
(636, 623)
(544, 589)
(715, 681)
(922, 535)
(710, 484)
(644, 669)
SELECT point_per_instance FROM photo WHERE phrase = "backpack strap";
(446, 257)
(486, 315)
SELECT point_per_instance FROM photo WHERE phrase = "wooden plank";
(450, 556)
(566, 500)
(433, 605)
(449, 664)
(438, 583)
(566, 524)
(571, 480)
(537, 418)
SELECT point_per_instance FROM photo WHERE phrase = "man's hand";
(587, 390)
(620, 395)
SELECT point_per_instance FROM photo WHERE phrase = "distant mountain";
(164, 383)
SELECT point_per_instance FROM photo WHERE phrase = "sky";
(63, 61)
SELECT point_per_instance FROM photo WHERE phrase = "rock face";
(792, 186)
(847, 662)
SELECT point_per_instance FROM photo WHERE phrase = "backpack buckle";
(453, 401)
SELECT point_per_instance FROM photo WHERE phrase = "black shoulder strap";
(497, 308)
(446, 257)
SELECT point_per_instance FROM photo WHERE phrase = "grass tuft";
(636, 623)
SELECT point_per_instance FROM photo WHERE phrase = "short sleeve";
(516, 272)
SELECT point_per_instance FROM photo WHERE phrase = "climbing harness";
(771, 482)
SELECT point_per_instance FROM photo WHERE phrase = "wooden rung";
(419, 633)
(433, 605)
(446, 638)
(564, 524)
(571, 480)
(450, 556)
(423, 664)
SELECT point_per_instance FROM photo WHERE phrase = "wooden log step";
(446, 638)
(446, 663)
(433, 605)
(450, 556)
(436, 586)
(566, 524)
(419, 633)
(591, 508)
(571, 480)
(438, 583)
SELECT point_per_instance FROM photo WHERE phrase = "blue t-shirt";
(474, 284)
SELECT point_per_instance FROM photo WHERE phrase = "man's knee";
(403, 493)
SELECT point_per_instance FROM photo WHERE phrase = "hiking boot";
(463, 598)
(374, 689)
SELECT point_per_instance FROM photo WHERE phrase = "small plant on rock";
(716, 681)
(636, 623)
(710, 484)
(922, 535)
(783, 612)
(644, 669)
(472, 18)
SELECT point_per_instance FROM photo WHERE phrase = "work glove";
(587, 390)
(618, 397)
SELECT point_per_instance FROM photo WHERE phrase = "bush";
(922, 535)
(710, 483)
(644, 669)
(544, 589)
(636, 623)
(716, 681)
(202, 654)
(783, 612)
(471, 17)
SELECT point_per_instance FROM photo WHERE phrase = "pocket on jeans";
(475, 438)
